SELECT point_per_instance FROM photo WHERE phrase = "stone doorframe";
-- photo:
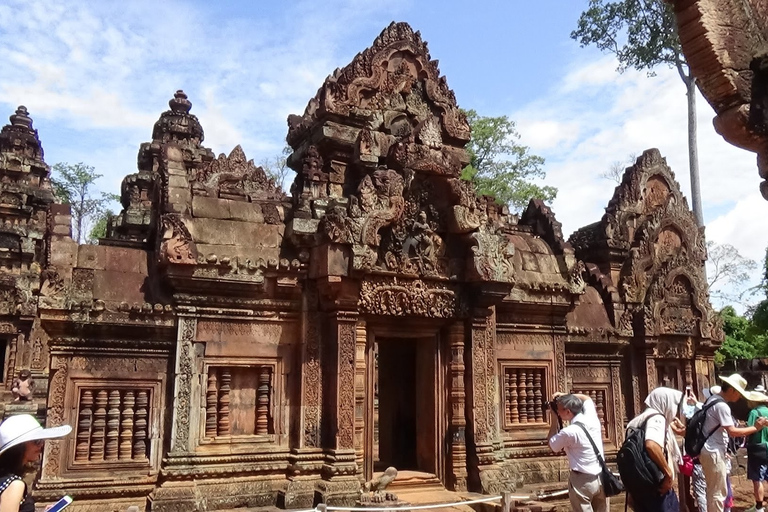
(412, 328)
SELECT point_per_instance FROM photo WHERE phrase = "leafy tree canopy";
(74, 184)
(640, 33)
(500, 166)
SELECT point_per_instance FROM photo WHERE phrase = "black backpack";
(695, 437)
(638, 472)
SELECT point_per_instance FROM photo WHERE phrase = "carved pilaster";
(458, 422)
(340, 483)
(361, 339)
(56, 407)
(483, 401)
(183, 393)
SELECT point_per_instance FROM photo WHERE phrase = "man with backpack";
(757, 449)
(585, 490)
(707, 434)
(649, 457)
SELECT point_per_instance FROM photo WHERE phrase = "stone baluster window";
(112, 425)
(238, 401)
(598, 396)
(525, 395)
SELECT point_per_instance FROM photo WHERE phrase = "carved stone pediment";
(236, 177)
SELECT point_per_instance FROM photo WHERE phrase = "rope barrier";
(421, 507)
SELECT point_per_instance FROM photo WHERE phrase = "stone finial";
(21, 118)
(180, 103)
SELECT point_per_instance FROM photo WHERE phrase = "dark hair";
(12, 460)
(725, 387)
(571, 403)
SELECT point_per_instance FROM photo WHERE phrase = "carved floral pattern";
(401, 297)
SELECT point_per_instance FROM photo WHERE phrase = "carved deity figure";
(424, 242)
(23, 387)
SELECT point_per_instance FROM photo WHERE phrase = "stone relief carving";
(234, 176)
(176, 244)
(185, 370)
(402, 297)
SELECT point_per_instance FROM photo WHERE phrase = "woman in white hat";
(21, 442)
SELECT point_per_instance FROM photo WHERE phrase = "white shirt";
(573, 440)
(718, 414)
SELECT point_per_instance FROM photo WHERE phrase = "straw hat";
(760, 388)
(708, 392)
(738, 383)
(25, 427)
(756, 396)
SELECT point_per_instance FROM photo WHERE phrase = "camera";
(553, 406)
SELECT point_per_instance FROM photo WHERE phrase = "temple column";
(340, 484)
(458, 422)
(482, 402)
(306, 458)
(178, 492)
(361, 341)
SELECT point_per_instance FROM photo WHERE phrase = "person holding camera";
(585, 489)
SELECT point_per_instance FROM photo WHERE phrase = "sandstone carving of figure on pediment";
(422, 251)
(53, 284)
(176, 244)
(235, 176)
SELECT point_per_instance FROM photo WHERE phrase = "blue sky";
(96, 75)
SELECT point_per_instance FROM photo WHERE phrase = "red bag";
(686, 467)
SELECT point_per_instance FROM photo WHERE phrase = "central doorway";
(405, 405)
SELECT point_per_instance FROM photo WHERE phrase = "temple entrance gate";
(405, 423)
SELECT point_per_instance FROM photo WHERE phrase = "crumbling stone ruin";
(229, 345)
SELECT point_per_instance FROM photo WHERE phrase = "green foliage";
(641, 33)
(746, 337)
(500, 166)
(99, 229)
(73, 184)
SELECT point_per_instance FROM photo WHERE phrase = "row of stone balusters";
(217, 401)
(113, 425)
(598, 397)
(525, 395)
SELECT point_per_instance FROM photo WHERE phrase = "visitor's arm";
(656, 453)
(735, 431)
(11, 497)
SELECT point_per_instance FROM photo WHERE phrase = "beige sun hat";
(738, 383)
(25, 427)
(756, 396)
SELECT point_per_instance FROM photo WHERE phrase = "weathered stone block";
(248, 212)
(177, 181)
(214, 231)
(210, 207)
(123, 259)
(64, 253)
(115, 286)
(92, 256)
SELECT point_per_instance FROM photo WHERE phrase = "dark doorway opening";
(406, 404)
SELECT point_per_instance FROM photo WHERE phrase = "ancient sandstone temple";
(229, 345)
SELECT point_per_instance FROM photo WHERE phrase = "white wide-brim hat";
(21, 428)
(738, 383)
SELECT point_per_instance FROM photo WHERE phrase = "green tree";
(642, 34)
(501, 167)
(740, 339)
(99, 229)
(74, 184)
